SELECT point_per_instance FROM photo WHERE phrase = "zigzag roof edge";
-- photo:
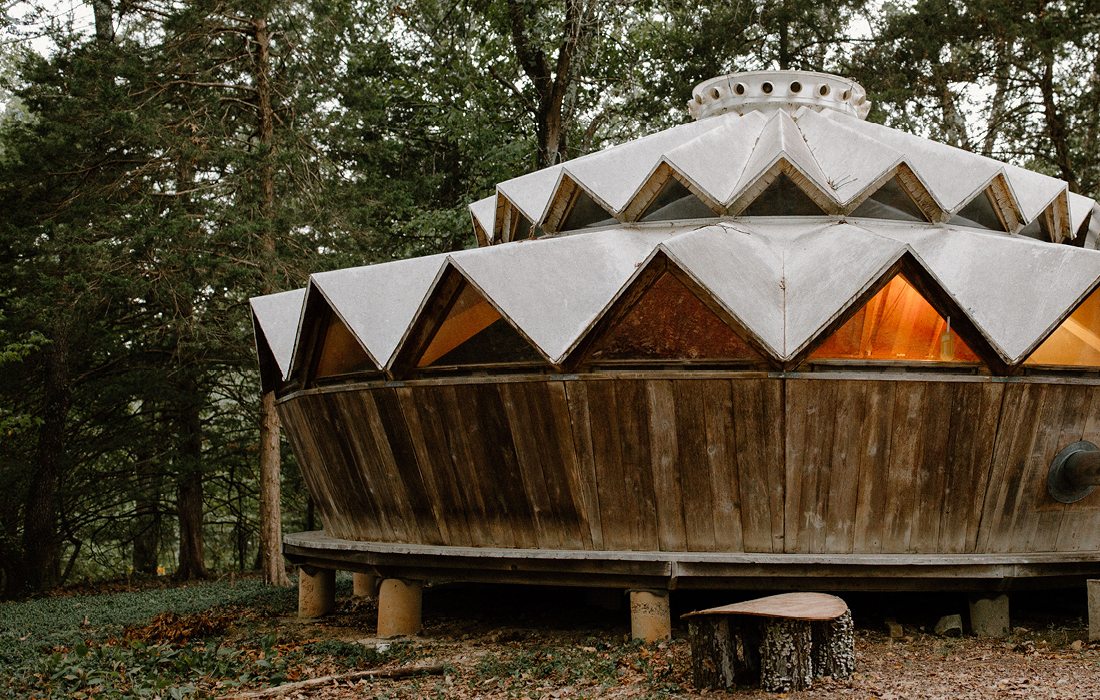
(278, 316)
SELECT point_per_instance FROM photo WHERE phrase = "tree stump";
(780, 642)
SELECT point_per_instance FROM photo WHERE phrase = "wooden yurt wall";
(683, 461)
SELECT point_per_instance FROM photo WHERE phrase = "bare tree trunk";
(104, 21)
(41, 542)
(147, 520)
(271, 531)
(271, 527)
(1056, 124)
(551, 85)
(997, 106)
(189, 486)
(954, 125)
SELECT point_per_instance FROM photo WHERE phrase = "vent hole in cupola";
(739, 88)
(823, 90)
(796, 87)
(714, 94)
(767, 88)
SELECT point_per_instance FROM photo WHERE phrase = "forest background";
(161, 161)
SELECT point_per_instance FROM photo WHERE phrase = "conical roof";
(780, 205)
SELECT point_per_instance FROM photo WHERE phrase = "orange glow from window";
(1075, 343)
(670, 322)
(340, 352)
(897, 324)
(470, 315)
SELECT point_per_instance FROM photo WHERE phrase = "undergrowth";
(193, 641)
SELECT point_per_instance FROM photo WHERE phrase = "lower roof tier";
(773, 292)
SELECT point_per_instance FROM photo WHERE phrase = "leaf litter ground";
(502, 642)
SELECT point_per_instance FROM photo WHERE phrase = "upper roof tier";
(784, 143)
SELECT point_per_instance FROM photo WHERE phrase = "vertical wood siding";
(709, 465)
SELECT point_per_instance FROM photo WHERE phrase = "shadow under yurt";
(779, 347)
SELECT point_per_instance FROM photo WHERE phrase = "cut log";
(780, 643)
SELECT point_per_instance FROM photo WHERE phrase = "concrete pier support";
(364, 585)
(1094, 609)
(989, 616)
(650, 620)
(316, 591)
(399, 607)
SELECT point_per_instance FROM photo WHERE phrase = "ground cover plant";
(199, 640)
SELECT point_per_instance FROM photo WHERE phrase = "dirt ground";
(487, 642)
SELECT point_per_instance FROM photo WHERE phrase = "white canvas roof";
(277, 316)
(787, 279)
(843, 156)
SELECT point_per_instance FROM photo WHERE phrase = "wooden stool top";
(796, 606)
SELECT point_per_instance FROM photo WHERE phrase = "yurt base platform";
(694, 570)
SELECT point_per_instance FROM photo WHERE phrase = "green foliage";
(72, 646)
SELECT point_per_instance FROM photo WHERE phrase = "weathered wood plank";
(974, 413)
(576, 394)
(641, 510)
(433, 452)
(694, 465)
(391, 421)
(932, 468)
(1009, 460)
(346, 479)
(574, 473)
(551, 449)
(847, 446)
(872, 490)
(496, 452)
(902, 477)
(475, 472)
(383, 490)
(295, 416)
(760, 458)
(664, 455)
(528, 455)
(611, 481)
(721, 450)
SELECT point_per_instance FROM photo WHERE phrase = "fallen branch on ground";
(400, 672)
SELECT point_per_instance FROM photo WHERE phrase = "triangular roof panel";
(614, 175)
(378, 301)
(1033, 191)
(993, 277)
(553, 289)
(1079, 208)
(484, 212)
(780, 140)
(277, 316)
(851, 161)
(715, 159)
(742, 269)
(531, 193)
(953, 176)
(824, 271)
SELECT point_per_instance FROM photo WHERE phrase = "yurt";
(778, 347)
